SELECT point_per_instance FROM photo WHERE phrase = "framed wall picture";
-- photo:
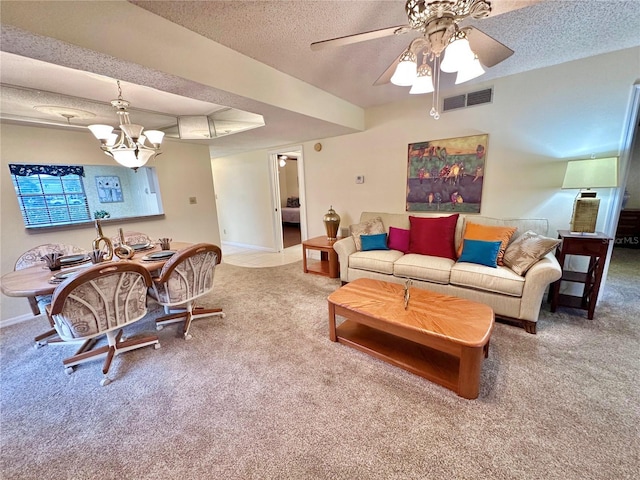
(109, 189)
(446, 175)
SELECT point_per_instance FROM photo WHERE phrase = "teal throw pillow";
(374, 242)
(480, 252)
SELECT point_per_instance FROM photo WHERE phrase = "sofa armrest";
(546, 271)
(344, 247)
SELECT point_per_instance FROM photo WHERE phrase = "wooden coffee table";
(439, 337)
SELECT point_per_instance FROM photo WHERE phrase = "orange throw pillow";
(475, 231)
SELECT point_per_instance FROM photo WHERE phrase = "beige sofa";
(512, 297)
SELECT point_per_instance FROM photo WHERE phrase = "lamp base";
(585, 213)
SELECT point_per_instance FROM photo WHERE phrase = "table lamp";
(585, 175)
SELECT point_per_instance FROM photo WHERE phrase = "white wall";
(244, 199)
(538, 120)
(184, 170)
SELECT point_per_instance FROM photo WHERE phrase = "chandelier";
(438, 22)
(130, 148)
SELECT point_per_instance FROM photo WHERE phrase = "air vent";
(468, 99)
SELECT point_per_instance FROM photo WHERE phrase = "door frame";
(274, 174)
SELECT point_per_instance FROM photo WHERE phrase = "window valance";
(54, 170)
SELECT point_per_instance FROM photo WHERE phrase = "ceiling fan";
(465, 48)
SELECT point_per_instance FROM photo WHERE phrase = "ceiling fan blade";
(489, 50)
(360, 37)
(499, 7)
(388, 73)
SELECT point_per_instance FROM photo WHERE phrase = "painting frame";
(109, 189)
(446, 175)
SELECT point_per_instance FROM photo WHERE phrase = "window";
(50, 195)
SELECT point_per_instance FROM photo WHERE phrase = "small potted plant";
(101, 214)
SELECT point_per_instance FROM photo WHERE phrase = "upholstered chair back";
(100, 299)
(33, 256)
(188, 275)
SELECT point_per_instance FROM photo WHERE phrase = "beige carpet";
(264, 394)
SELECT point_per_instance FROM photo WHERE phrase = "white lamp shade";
(131, 157)
(423, 84)
(132, 130)
(457, 56)
(101, 132)
(405, 73)
(155, 136)
(112, 139)
(469, 72)
(592, 173)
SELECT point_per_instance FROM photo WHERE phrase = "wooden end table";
(439, 337)
(595, 246)
(328, 264)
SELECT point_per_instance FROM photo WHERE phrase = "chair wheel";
(69, 370)
(187, 336)
(105, 381)
(39, 345)
(156, 346)
(224, 315)
(159, 327)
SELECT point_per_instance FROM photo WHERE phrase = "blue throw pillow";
(374, 242)
(481, 252)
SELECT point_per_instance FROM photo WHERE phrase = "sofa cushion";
(377, 241)
(399, 239)
(380, 261)
(480, 252)
(497, 280)
(424, 267)
(433, 236)
(491, 233)
(369, 227)
(526, 250)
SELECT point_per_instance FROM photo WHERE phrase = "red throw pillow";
(433, 236)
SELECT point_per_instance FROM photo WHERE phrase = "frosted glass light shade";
(101, 132)
(423, 84)
(469, 72)
(131, 157)
(405, 73)
(592, 173)
(457, 56)
(132, 130)
(155, 136)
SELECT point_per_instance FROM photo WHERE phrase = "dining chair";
(101, 300)
(33, 257)
(187, 276)
(132, 238)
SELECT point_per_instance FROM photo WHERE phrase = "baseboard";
(19, 319)
(249, 247)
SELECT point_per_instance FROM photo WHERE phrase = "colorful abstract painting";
(446, 175)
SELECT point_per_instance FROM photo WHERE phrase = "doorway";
(288, 191)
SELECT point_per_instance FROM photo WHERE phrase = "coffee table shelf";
(435, 366)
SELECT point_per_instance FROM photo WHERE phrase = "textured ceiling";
(278, 34)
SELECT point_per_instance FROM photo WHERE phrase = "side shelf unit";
(594, 246)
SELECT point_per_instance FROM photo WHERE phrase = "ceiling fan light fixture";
(406, 71)
(457, 56)
(423, 82)
(470, 71)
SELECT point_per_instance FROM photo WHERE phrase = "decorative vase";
(331, 223)
(123, 251)
(100, 240)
